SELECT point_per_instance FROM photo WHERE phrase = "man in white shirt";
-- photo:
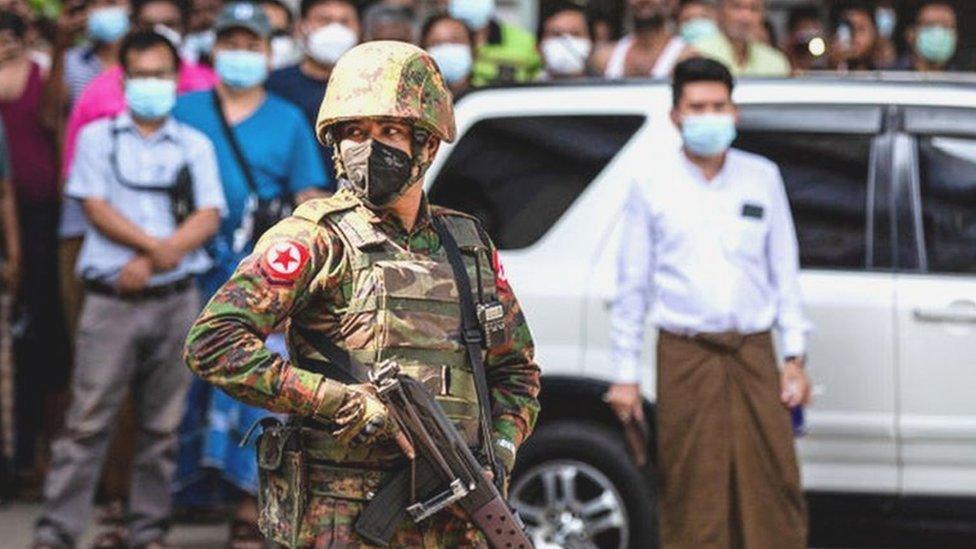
(709, 249)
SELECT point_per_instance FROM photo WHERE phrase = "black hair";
(139, 41)
(14, 23)
(560, 7)
(771, 31)
(698, 69)
(307, 5)
(437, 18)
(181, 5)
(800, 14)
(841, 8)
(683, 3)
(278, 3)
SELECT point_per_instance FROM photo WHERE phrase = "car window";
(519, 175)
(826, 177)
(947, 181)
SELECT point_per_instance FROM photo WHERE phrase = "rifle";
(444, 471)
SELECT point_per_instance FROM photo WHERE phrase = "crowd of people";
(111, 108)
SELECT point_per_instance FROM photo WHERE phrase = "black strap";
(234, 146)
(470, 333)
(341, 367)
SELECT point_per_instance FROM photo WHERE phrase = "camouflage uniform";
(378, 291)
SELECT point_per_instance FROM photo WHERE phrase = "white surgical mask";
(327, 44)
(454, 61)
(566, 55)
(284, 52)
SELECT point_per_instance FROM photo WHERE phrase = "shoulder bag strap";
(234, 145)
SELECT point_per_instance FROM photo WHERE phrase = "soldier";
(367, 269)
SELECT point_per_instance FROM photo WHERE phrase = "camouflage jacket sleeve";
(226, 344)
(513, 375)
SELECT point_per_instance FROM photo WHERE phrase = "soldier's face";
(389, 132)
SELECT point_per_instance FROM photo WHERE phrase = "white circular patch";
(283, 258)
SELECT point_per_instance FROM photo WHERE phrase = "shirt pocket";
(746, 238)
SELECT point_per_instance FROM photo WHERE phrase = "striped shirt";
(81, 66)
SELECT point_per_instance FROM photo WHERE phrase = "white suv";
(881, 176)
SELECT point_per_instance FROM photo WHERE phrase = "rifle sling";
(471, 335)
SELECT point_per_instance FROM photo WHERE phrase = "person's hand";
(135, 274)
(165, 256)
(795, 384)
(362, 418)
(625, 399)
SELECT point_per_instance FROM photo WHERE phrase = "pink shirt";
(104, 98)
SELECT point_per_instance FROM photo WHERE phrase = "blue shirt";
(280, 149)
(141, 161)
(306, 93)
(275, 140)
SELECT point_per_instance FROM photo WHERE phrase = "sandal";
(245, 534)
(110, 539)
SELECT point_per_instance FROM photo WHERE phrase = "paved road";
(16, 521)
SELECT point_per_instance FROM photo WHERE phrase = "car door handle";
(952, 315)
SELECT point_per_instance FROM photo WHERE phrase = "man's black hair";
(698, 69)
(559, 7)
(307, 5)
(437, 18)
(289, 16)
(181, 5)
(143, 40)
(800, 14)
(14, 23)
(839, 9)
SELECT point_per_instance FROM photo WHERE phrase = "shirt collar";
(389, 220)
(696, 173)
(169, 129)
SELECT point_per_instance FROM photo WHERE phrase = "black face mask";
(378, 173)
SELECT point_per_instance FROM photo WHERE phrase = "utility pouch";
(282, 482)
(181, 198)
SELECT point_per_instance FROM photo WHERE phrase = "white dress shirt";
(707, 256)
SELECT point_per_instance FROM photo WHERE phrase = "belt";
(154, 292)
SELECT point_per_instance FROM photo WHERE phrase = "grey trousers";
(121, 345)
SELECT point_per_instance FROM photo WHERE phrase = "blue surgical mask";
(474, 13)
(108, 24)
(937, 44)
(697, 29)
(241, 68)
(454, 61)
(886, 20)
(150, 98)
(708, 134)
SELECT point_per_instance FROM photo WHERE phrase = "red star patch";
(284, 261)
(501, 281)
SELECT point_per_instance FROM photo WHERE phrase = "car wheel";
(575, 486)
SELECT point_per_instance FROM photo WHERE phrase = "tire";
(585, 456)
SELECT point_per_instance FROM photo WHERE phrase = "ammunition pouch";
(282, 482)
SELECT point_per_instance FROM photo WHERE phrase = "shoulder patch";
(317, 209)
(284, 261)
(466, 228)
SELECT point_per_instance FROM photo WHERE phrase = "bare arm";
(196, 230)
(11, 234)
(116, 227)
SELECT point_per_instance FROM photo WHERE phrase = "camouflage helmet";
(391, 80)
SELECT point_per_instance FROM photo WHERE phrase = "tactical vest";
(404, 306)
